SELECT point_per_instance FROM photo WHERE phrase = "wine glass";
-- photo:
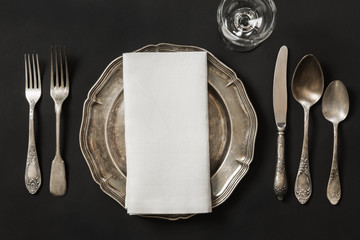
(244, 24)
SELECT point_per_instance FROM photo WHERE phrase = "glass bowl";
(244, 24)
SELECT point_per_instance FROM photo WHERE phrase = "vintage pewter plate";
(232, 126)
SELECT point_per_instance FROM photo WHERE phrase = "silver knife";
(280, 108)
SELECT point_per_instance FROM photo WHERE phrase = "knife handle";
(280, 181)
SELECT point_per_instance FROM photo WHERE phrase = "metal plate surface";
(232, 126)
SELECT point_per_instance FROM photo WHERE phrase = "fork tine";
(30, 72)
(56, 68)
(61, 68)
(26, 73)
(51, 68)
(34, 70)
(66, 69)
(38, 72)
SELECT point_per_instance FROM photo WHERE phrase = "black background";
(95, 33)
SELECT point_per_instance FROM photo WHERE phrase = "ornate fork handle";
(32, 169)
(280, 181)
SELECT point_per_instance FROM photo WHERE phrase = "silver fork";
(33, 94)
(59, 90)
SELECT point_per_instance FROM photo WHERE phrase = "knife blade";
(280, 109)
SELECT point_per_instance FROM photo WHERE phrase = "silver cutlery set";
(59, 90)
(307, 88)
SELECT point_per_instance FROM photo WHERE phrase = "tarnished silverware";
(335, 108)
(307, 87)
(33, 94)
(280, 108)
(59, 90)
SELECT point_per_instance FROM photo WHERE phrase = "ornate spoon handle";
(32, 169)
(334, 187)
(280, 181)
(303, 187)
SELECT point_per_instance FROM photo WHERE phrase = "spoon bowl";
(308, 81)
(335, 103)
(307, 87)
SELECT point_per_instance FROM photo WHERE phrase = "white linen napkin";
(166, 133)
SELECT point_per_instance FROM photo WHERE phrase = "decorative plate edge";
(240, 87)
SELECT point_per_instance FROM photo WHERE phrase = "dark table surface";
(95, 33)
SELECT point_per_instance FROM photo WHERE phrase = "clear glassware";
(244, 24)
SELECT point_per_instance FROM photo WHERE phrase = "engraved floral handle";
(303, 187)
(334, 187)
(280, 181)
(32, 169)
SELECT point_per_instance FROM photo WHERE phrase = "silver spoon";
(335, 107)
(307, 87)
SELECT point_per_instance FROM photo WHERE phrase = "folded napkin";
(166, 133)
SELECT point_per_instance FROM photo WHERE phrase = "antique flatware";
(59, 90)
(307, 87)
(33, 94)
(232, 129)
(280, 108)
(335, 108)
